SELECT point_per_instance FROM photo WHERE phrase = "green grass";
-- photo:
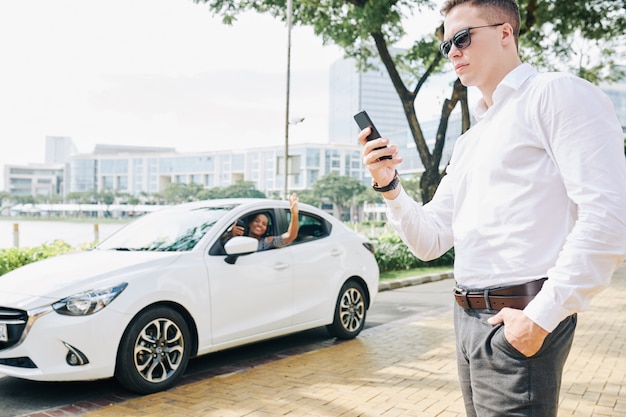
(414, 272)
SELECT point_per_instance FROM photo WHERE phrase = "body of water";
(34, 233)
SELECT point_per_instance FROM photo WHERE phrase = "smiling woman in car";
(257, 228)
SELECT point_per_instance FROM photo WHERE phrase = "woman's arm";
(292, 231)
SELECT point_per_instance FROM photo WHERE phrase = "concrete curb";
(407, 282)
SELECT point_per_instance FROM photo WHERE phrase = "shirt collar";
(510, 83)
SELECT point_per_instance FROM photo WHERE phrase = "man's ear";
(508, 34)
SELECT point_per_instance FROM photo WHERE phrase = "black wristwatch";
(391, 186)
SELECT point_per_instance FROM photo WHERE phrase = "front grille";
(15, 322)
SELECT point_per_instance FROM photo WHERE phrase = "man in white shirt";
(535, 190)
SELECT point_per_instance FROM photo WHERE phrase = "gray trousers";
(497, 380)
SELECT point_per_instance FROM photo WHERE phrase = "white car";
(165, 288)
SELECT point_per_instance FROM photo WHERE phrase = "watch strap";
(391, 186)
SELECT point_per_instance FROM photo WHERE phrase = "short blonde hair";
(494, 11)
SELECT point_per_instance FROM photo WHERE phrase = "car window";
(218, 246)
(311, 228)
(175, 229)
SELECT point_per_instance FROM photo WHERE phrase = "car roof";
(232, 202)
(245, 204)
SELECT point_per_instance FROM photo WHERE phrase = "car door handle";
(281, 265)
(336, 252)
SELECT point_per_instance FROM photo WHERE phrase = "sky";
(155, 73)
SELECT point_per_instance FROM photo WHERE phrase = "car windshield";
(168, 230)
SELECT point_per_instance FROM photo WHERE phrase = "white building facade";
(34, 180)
(138, 170)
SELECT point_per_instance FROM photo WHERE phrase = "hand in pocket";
(520, 332)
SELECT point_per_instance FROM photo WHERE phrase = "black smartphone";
(363, 120)
(243, 225)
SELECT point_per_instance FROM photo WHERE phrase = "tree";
(368, 196)
(339, 190)
(78, 197)
(243, 189)
(179, 193)
(24, 199)
(309, 197)
(4, 196)
(553, 32)
(106, 197)
(133, 200)
(240, 189)
(412, 187)
(49, 199)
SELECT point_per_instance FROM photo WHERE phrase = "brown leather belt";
(517, 296)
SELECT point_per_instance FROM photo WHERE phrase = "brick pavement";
(403, 369)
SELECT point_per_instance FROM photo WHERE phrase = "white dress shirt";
(536, 188)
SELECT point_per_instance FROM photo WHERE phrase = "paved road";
(20, 398)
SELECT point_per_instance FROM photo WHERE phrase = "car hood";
(61, 276)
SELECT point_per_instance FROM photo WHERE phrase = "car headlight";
(88, 302)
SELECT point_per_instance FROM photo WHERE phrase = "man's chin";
(465, 80)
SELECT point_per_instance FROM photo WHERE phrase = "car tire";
(350, 312)
(154, 351)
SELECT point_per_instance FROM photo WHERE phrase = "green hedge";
(392, 254)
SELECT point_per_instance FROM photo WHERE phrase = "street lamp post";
(289, 23)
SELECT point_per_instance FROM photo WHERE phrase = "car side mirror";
(239, 245)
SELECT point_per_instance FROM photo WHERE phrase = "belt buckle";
(460, 292)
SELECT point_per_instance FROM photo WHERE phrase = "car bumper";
(45, 349)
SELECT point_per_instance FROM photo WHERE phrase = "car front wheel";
(350, 312)
(154, 351)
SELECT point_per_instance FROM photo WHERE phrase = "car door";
(319, 262)
(251, 297)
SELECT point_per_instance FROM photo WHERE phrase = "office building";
(136, 170)
(34, 180)
(59, 149)
(43, 180)
(373, 91)
(351, 92)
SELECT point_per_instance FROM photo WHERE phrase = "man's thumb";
(497, 319)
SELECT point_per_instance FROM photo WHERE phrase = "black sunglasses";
(461, 39)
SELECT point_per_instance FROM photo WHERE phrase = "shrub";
(375, 223)
(392, 254)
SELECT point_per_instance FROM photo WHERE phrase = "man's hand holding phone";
(379, 156)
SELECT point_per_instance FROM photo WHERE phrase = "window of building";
(122, 183)
(113, 166)
(108, 182)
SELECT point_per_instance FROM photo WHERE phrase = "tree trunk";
(431, 160)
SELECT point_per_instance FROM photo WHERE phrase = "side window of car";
(311, 228)
(244, 221)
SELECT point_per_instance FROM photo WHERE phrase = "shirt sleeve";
(426, 230)
(581, 134)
